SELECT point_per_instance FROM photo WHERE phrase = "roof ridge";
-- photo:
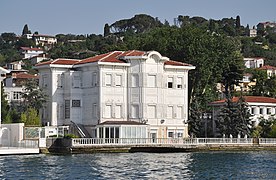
(130, 52)
(109, 54)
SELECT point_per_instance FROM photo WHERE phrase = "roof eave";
(179, 67)
(134, 57)
(113, 64)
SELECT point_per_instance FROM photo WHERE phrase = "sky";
(53, 17)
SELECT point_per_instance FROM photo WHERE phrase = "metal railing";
(173, 141)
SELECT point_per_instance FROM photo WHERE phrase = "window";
(268, 111)
(16, 95)
(118, 80)
(76, 103)
(179, 112)
(94, 79)
(106, 132)
(108, 80)
(76, 81)
(151, 111)
(170, 112)
(135, 111)
(151, 81)
(67, 109)
(170, 134)
(179, 134)
(117, 132)
(44, 81)
(170, 82)
(60, 79)
(107, 112)
(179, 82)
(252, 110)
(134, 80)
(118, 111)
(261, 111)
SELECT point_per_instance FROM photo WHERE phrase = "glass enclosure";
(122, 131)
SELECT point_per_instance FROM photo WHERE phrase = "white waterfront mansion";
(118, 94)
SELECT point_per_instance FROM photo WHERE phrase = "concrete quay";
(81, 145)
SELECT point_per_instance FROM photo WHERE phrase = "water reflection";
(212, 165)
(144, 165)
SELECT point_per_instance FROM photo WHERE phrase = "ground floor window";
(122, 132)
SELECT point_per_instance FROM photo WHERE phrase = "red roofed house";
(14, 86)
(119, 94)
(14, 81)
(259, 107)
(29, 52)
(271, 70)
(44, 40)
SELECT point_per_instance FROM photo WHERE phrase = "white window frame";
(108, 84)
(118, 80)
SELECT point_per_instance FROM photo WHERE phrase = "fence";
(22, 144)
(267, 141)
(173, 141)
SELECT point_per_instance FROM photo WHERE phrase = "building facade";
(118, 87)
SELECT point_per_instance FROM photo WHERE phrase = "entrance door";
(153, 137)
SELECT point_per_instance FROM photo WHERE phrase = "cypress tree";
(106, 30)
(25, 30)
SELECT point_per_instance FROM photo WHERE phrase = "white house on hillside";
(29, 52)
(44, 40)
(259, 107)
(253, 62)
(118, 94)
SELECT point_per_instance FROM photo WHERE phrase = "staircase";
(79, 130)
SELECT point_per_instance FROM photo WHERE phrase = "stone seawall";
(64, 146)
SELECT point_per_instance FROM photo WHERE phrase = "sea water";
(196, 165)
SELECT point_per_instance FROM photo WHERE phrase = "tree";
(272, 133)
(238, 25)
(166, 23)
(244, 123)
(234, 118)
(270, 86)
(106, 30)
(266, 126)
(260, 77)
(33, 96)
(4, 104)
(194, 119)
(26, 30)
(30, 117)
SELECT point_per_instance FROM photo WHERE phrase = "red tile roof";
(253, 99)
(176, 63)
(133, 53)
(25, 76)
(59, 61)
(31, 49)
(113, 57)
(267, 67)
